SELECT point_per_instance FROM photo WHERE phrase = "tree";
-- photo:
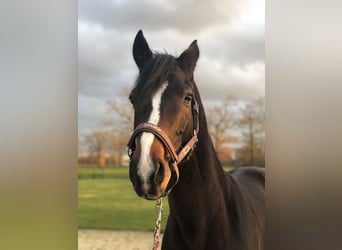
(220, 119)
(121, 124)
(252, 117)
(97, 143)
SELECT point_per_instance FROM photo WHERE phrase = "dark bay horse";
(171, 153)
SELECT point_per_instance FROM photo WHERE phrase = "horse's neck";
(202, 177)
(199, 202)
(204, 199)
(202, 188)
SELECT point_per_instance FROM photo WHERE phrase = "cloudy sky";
(230, 36)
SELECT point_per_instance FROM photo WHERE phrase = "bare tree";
(220, 119)
(97, 143)
(252, 117)
(121, 124)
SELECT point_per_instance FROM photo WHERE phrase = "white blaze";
(146, 140)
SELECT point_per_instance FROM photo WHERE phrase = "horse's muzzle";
(152, 178)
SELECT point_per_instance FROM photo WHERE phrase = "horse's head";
(165, 117)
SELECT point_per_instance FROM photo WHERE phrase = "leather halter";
(176, 158)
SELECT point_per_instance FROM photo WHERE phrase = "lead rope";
(156, 233)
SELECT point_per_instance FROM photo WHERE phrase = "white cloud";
(230, 36)
(91, 111)
(249, 73)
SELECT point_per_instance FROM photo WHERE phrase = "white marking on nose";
(146, 139)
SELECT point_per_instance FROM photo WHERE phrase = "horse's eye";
(188, 99)
(130, 98)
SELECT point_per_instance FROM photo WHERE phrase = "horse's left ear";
(141, 51)
(189, 57)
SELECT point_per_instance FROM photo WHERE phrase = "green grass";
(109, 202)
(102, 173)
(106, 200)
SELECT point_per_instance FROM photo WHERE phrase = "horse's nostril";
(159, 175)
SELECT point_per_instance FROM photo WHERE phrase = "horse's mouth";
(147, 194)
(150, 197)
(156, 184)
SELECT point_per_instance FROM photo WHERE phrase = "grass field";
(106, 200)
(102, 173)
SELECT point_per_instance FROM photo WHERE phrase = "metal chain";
(156, 233)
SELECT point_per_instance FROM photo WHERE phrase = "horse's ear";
(141, 51)
(189, 57)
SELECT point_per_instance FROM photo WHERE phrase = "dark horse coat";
(209, 208)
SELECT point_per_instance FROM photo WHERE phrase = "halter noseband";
(164, 138)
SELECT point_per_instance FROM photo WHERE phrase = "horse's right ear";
(141, 51)
(189, 58)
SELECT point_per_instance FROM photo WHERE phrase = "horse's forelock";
(152, 76)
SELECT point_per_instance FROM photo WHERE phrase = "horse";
(171, 154)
